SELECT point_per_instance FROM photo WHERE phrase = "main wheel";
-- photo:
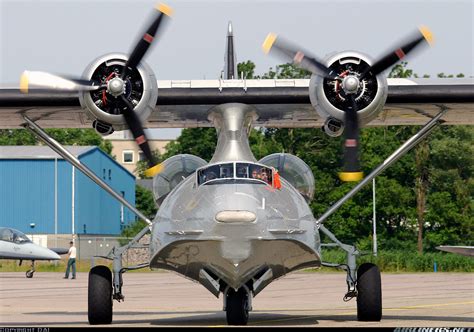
(369, 293)
(237, 307)
(100, 295)
(29, 273)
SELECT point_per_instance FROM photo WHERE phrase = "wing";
(279, 103)
(461, 250)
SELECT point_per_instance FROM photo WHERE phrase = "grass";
(387, 261)
(403, 261)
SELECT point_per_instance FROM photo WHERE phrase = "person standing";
(71, 262)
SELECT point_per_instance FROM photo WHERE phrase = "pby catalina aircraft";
(16, 245)
(235, 224)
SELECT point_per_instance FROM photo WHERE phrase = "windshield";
(13, 235)
(235, 171)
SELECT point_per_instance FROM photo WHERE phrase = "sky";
(64, 36)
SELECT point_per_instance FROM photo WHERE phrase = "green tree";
(145, 203)
(247, 68)
(200, 142)
(142, 165)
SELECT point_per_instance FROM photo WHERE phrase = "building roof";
(39, 151)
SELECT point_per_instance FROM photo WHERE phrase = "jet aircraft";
(16, 245)
(235, 224)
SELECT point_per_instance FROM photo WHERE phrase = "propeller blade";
(43, 80)
(138, 133)
(294, 53)
(351, 170)
(423, 34)
(144, 43)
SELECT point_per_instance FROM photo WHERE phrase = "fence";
(89, 246)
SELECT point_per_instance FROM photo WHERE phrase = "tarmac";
(159, 299)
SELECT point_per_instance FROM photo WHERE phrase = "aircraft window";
(294, 170)
(11, 235)
(19, 237)
(6, 234)
(252, 171)
(242, 171)
(222, 171)
(175, 170)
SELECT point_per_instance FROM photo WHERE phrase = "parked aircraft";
(16, 245)
(460, 250)
(235, 224)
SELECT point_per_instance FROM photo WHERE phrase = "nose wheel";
(29, 273)
(237, 306)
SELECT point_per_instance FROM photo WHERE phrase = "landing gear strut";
(29, 273)
(363, 283)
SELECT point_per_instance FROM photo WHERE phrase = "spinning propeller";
(349, 85)
(114, 88)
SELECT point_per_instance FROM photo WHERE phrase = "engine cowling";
(325, 93)
(140, 87)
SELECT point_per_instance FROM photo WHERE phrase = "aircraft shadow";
(210, 318)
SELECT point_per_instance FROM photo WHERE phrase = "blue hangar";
(41, 193)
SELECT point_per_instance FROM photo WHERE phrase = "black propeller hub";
(348, 72)
(108, 74)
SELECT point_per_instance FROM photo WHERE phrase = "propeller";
(115, 86)
(46, 80)
(350, 84)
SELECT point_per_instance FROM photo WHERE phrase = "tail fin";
(230, 69)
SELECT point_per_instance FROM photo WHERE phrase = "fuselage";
(236, 227)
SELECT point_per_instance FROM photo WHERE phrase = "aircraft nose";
(49, 254)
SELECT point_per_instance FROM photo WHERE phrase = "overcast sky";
(64, 36)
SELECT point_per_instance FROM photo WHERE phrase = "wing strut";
(59, 149)
(401, 151)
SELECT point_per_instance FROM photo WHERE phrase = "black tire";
(237, 307)
(100, 295)
(29, 274)
(369, 293)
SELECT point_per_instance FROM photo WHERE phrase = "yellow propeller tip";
(24, 82)
(268, 43)
(165, 9)
(351, 176)
(427, 34)
(152, 171)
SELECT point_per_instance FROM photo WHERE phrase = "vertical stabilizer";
(230, 70)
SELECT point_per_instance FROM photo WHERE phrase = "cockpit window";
(252, 171)
(243, 171)
(12, 235)
(215, 172)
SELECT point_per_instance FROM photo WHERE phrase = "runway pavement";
(159, 299)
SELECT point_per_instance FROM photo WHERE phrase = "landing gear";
(237, 306)
(29, 273)
(100, 295)
(363, 283)
(369, 293)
